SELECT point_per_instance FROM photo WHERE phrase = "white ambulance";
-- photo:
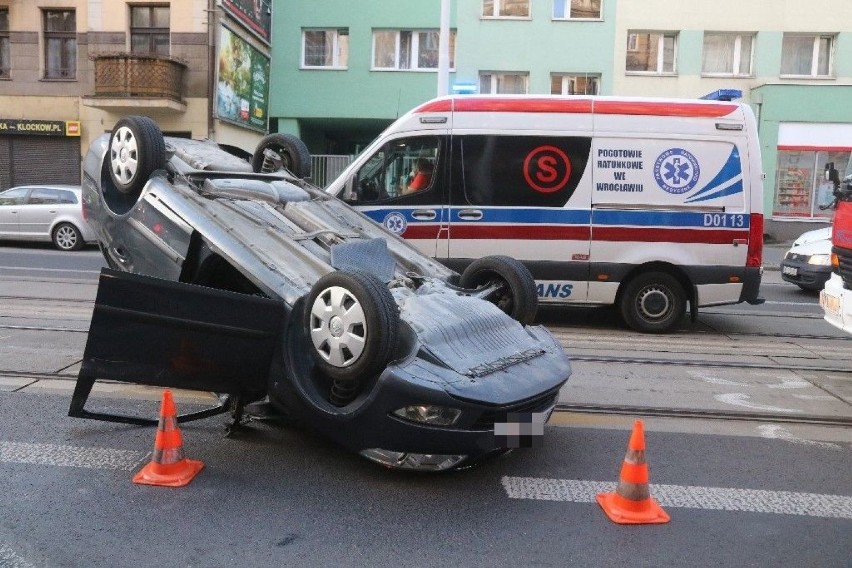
(653, 205)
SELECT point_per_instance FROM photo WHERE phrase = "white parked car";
(50, 213)
(808, 262)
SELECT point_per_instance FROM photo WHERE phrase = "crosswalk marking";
(693, 497)
(70, 456)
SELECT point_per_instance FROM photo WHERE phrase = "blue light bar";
(723, 95)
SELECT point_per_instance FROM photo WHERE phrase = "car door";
(11, 201)
(38, 212)
(402, 185)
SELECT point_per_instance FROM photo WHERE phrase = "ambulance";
(652, 205)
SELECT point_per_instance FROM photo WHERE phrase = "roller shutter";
(39, 159)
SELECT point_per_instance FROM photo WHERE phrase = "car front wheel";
(67, 237)
(353, 324)
(506, 283)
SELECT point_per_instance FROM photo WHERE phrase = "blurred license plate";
(829, 303)
(790, 270)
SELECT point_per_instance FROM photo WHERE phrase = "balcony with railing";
(130, 80)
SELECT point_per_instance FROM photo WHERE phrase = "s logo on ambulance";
(676, 171)
(395, 223)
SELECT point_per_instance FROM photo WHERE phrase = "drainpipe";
(211, 67)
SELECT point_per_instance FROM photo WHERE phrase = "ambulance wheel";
(277, 152)
(353, 324)
(653, 302)
(506, 283)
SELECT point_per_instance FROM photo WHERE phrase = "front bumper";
(809, 276)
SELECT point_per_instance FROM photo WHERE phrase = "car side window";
(403, 166)
(67, 197)
(14, 196)
(529, 171)
(43, 196)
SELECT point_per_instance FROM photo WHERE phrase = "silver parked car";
(45, 213)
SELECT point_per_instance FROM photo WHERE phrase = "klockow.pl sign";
(40, 127)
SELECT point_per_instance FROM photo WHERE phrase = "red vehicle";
(836, 298)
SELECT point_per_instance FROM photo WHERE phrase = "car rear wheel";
(277, 152)
(67, 237)
(353, 324)
(136, 150)
(653, 302)
(506, 283)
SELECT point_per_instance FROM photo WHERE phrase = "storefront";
(801, 190)
(39, 151)
(801, 127)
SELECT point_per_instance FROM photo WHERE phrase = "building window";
(655, 52)
(149, 29)
(727, 54)
(60, 44)
(5, 57)
(577, 9)
(807, 55)
(801, 187)
(574, 84)
(409, 50)
(504, 83)
(505, 8)
(325, 48)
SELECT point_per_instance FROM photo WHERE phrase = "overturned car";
(270, 292)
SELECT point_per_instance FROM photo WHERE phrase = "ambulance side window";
(530, 171)
(402, 167)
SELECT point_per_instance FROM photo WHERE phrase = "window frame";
(151, 31)
(413, 50)
(62, 74)
(660, 63)
(573, 77)
(737, 55)
(5, 46)
(335, 47)
(567, 6)
(498, 6)
(493, 81)
(814, 74)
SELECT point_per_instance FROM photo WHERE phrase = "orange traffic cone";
(168, 468)
(631, 503)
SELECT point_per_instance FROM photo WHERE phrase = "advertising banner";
(256, 15)
(242, 84)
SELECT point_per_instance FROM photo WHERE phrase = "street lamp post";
(444, 50)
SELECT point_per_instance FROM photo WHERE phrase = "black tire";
(67, 237)
(136, 150)
(278, 151)
(653, 302)
(515, 292)
(368, 338)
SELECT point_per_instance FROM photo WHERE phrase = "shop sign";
(256, 15)
(242, 82)
(40, 127)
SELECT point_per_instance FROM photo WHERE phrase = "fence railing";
(326, 167)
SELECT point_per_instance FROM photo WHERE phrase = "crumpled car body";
(244, 284)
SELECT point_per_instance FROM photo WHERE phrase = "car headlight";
(820, 259)
(429, 414)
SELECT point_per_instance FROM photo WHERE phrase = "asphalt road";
(740, 492)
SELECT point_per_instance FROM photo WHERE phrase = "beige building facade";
(69, 69)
